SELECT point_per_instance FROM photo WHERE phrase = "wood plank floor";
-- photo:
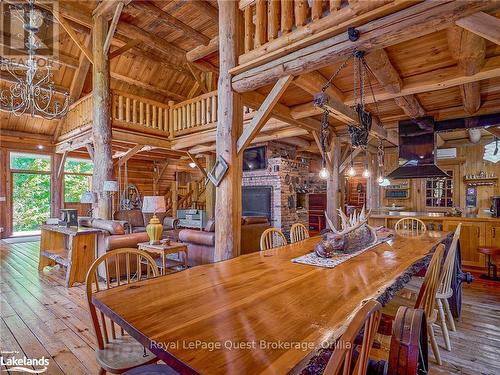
(40, 317)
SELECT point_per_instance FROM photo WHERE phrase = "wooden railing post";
(171, 119)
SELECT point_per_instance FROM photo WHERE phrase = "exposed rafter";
(482, 24)
(469, 50)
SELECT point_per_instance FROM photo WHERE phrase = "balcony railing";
(276, 27)
(195, 114)
(144, 115)
(127, 110)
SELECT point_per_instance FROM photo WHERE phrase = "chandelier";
(32, 90)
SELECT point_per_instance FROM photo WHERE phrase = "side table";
(163, 249)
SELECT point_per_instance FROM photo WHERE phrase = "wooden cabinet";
(493, 234)
(472, 236)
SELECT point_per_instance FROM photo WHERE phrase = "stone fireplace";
(283, 183)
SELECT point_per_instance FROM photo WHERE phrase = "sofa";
(136, 222)
(201, 244)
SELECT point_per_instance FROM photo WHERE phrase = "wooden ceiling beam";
(174, 23)
(127, 46)
(146, 86)
(203, 51)
(482, 24)
(112, 27)
(494, 130)
(469, 50)
(280, 111)
(407, 24)
(385, 73)
(107, 8)
(263, 113)
(420, 83)
(313, 83)
(131, 31)
(72, 34)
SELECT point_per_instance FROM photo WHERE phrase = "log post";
(332, 183)
(56, 183)
(210, 189)
(229, 129)
(101, 129)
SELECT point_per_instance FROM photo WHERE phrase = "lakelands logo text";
(23, 364)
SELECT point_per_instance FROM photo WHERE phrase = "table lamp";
(152, 205)
(111, 187)
(89, 197)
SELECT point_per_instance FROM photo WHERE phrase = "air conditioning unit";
(447, 153)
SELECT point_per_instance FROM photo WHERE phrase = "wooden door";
(472, 236)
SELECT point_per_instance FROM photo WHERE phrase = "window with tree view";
(30, 190)
(439, 191)
(77, 179)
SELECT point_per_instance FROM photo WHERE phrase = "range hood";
(417, 152)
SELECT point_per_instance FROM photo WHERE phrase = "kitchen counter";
(383, 213)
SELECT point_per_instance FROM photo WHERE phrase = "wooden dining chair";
(344, 360)
(271, 238)
(116, 351)
(444, 289)
(410, 224)
(298, 232)
(426, 299)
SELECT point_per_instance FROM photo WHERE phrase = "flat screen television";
(254, 158)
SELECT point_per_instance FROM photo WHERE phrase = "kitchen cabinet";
(472, 236)
(493, 234)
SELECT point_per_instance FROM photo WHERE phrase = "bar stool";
(490, 251)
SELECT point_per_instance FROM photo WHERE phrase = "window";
(30, 191)
(439, 191)
(77, 179)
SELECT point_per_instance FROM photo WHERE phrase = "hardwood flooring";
(40, 317)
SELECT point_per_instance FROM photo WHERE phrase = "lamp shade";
(153, 204)
(111, 186)
(88, 197)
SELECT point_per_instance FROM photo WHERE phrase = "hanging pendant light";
(323, 173)
(33, 90)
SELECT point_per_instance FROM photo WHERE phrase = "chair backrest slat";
(427, 294)
(366, 320)
(410, 224)
(104, 328)
(449, 263)
(298, 232)
(271, 238)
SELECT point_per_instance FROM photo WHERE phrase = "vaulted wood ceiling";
(149, 59)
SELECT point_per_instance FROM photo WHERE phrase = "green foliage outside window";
(76, 184)
(30, 162)
(30, 191)
(31, 200)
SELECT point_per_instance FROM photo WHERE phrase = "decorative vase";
(154, 230)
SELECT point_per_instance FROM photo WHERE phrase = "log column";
(101, 130)
(229, 128)
(210, 189)
(333, 182)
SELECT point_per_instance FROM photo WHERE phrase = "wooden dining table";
(260, 312)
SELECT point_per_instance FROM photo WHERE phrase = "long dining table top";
(260, 312)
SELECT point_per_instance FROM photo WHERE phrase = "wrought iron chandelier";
(32, 90)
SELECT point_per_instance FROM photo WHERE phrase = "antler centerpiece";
(355, 235)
